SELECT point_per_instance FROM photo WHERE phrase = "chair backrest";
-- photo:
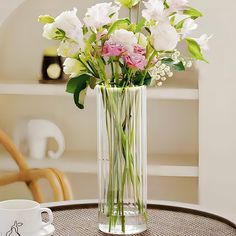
(59, 184)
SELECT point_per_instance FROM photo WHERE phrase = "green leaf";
(194, 13)
(172, 20)
(85, 29)
(140, 25)
(194, 49)
(139, 77)
(92, 38)
(179, 66)
(92, 82)
(168, 61)
(119, 24)
(180, 24)
(112, 14)
(80, 90)
(45, 19)
(74, 82)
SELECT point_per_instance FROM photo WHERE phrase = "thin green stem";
(117, 73)
(138, 12)
(130, 14)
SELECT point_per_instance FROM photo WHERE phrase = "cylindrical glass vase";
(122, 157)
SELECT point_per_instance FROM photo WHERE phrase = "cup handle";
(50, 216)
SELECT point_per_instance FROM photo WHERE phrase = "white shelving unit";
(59, 90)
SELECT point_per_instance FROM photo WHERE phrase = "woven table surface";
(163, 221)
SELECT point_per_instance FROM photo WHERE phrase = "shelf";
(59, 90)
(87, 163)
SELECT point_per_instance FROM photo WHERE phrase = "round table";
(164, 220)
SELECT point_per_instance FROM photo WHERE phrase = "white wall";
(218, 108)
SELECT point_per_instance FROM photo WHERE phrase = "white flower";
(188, 26)
(101, 14)
(73, 67)
(70, 24)
(203, 41)
(68, 48)
(176, 5)
(125, 38)
(165, 37)
(154, 10)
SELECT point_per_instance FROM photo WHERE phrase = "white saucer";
(47, 231)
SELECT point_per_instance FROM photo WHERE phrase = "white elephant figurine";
(31, 137)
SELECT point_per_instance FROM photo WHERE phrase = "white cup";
(22, 218)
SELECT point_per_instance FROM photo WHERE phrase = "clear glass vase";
(122, 157)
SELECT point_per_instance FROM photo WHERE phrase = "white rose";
(165, 37)
(176, 5)
(154, 10)
(73, 67)
(68, 48)
(188, 26)
(100, 15)
(125, 38)
(203, 41)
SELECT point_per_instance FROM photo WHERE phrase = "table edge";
(165, 205)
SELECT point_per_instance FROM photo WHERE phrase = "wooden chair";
(59, 184)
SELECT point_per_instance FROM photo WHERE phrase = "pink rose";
(112, 50)
(139, 50)
(135, 61)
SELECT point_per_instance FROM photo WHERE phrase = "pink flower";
(139, 50)
(135, 61)
(112, 49)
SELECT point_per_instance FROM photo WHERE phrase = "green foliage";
(194, 49)
(45, 19)
(172, 20)
(78, 86)
(180, 24)
(193, 13)
(179, 66)
(176, 66)
(139, 77)
(92, 38)
(119, 24)
(140, 25)
(166, 5)
(168, 61)
(92, 82)
(128, 3)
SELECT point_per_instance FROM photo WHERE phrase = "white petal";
(165, 37)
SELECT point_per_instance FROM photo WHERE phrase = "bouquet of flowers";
(138, 50)
(121, 56)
